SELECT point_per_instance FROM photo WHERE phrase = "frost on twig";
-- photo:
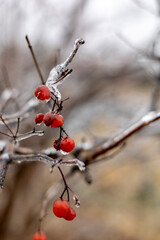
(71, 162)
(24, 136)
(61, 71)
(17, 158)
(29, 106)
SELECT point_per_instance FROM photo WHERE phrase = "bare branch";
(4, 160)
(35, 60)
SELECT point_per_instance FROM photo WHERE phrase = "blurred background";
(115, 81)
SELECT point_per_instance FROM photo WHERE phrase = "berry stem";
(54, 104)
(65, 184)
(60, 134)
(62, 129)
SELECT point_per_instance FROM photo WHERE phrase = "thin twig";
(35, 60)
(6, 125)
(29, 106)
(77, 44)
(6, 134)
(18, 123)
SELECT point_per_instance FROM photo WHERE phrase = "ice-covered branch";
(123, 136)
(61, 71)
(28, 107)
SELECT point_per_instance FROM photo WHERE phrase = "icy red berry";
(39, 236)
(67, 144)
(48, 119)
(39, 118)
(56, 144)
(61, 208)
(58, 121)
(71, 215)
(42, 93)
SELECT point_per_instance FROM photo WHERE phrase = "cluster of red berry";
(53, 119)
(62, 209)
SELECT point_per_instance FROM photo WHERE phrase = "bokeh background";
(114, 77)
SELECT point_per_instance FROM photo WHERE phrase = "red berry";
(39, 118)
(56, 144)
(71, 215)
(58, 121)
(39, 236)
(61, 208)
(67, 144)
(42, 93)
(48, 119)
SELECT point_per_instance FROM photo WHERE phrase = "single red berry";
(71, 215)
(67, 144)
(39, 236)
(48, 119)
(56, 144)
(61, 208)
(42, 93)
(58, 121)
(39, 118)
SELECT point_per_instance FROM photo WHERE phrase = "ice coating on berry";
(67, 144)
(63, 152)
(39, 236)
(42, 93)
(58, 121)
(39, 118)
(48, 119)
(61, 208)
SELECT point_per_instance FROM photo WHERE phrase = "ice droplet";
(64, 153)
(81, 165)
(77, 205)
(40, 133)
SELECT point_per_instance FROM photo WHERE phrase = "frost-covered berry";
(42, 93)
(39, 236)
(58, 121)
(39, 118)
(48, 119)
(67, 144)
